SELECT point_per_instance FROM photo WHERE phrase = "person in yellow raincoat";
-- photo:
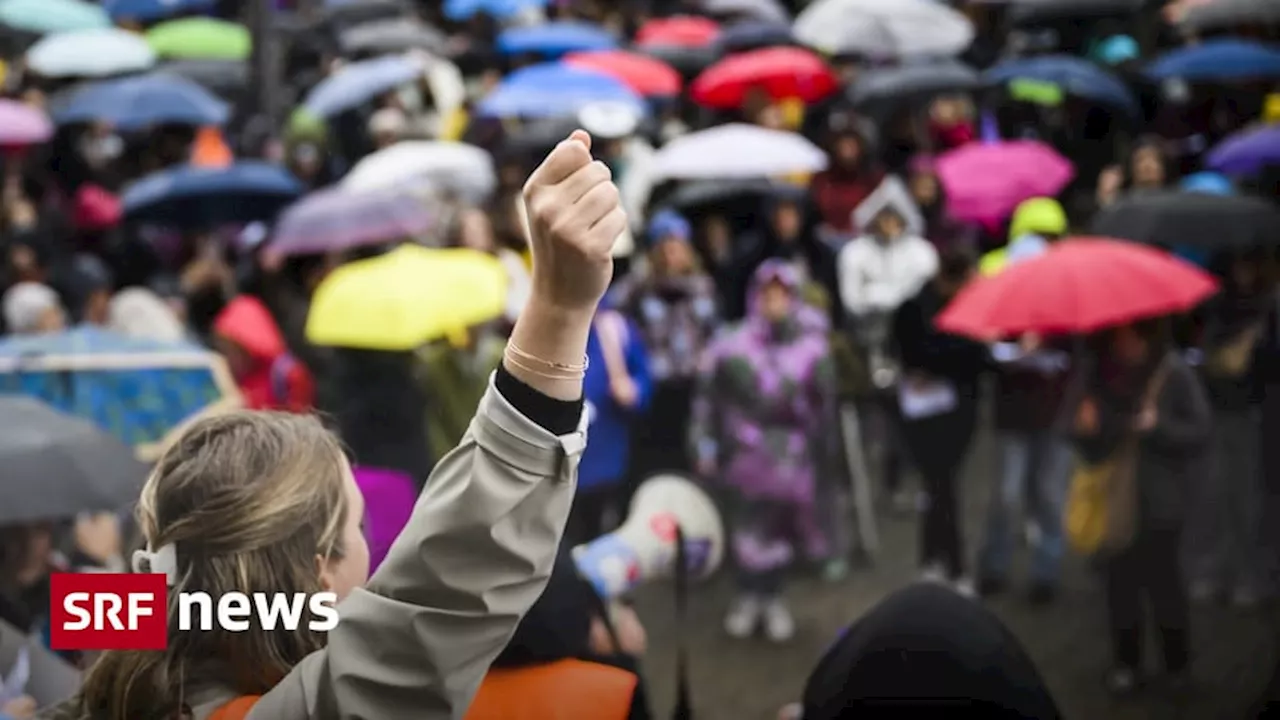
(1040, 217)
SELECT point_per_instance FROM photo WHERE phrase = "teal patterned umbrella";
(137, 390)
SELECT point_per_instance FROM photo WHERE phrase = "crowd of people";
(718, 238)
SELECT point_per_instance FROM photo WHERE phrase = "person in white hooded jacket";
(886, 265)
(890, 260)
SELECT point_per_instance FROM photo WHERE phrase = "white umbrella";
(100, 52)
(736, 151)
(884, 28)
(458, 167)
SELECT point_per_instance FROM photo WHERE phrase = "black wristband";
(558, 417)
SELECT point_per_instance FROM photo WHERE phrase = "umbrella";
(1032, 12)
(226, 78)
(737, 151)
(1080, 285)
(1217, 60)
(1175, 219)
(97, 52)
(137, 390)
(554, 39)
(680, 31)
(21, 124)
(361, 81)
(984, 182)
(155, 10)
(1221, 14)
(884, 28)
(134, 103)
(462, 169)
(753, 35)
(406, 298)
(551, 89)
(202, 38)
(460, 10)
(646, 75)
(392, 36)
(913, 82)
(57, 466)
(1075, 76)
(782, 72)
(190, 196)
(766, 10)
(337, 218)
(346, 14)
(44, 17)
(692, 197)
(1247, 152)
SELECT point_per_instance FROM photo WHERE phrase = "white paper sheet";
(919, 401)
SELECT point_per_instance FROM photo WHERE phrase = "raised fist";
(575, 216)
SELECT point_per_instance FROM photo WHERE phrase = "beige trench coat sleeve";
(474, 557)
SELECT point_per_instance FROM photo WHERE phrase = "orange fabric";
(563, 690)
(210, 150)
(237, 709)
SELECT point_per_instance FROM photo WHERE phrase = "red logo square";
(108, 611)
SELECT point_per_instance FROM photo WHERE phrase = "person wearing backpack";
(268, 376)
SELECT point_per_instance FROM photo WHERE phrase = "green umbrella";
(199, 38)
(44, 17)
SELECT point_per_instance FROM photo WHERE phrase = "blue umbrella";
(1074, 75)
(359, 82)
(201, 197)
(137, 390)
(1218, 60)
(152, 10)
(555, 39)
(458, 10)
(1246, 153)
(552, 89)
(138, 102)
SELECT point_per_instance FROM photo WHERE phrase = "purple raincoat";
(763, 415)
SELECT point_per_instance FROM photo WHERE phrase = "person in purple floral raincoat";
(762, 419)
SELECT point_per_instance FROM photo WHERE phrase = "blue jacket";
(609, 436)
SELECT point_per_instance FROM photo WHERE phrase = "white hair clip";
(163, 561)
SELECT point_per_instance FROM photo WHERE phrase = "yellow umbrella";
(408, 297)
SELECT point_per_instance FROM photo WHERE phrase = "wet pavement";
(749, 680)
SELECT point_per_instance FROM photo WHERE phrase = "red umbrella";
(682, 31)
(782, 72)
(1080, 285)
(641, 73)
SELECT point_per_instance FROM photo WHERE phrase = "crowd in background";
(808, 185)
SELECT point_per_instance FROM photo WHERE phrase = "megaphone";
(644, 548)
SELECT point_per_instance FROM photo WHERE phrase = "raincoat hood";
(247, 322)
(891, 194)
(1038, 216)
(772, 271)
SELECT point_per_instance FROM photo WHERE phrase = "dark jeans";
(938, 448)
(1149, 569)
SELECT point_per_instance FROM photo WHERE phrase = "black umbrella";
(54, 466)
(1228, 13)
(229, 79)
(913, 82)
(688, 61)
(1032, 12)
(348, 14)
(1175, 218)
(392, 36)
(696, 196)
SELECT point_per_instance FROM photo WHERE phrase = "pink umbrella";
(21, 124)
(986, 181)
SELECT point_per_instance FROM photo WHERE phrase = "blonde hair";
(248, 500)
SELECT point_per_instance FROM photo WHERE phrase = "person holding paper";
(938, 398)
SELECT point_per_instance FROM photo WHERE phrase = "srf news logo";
(130, 611)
